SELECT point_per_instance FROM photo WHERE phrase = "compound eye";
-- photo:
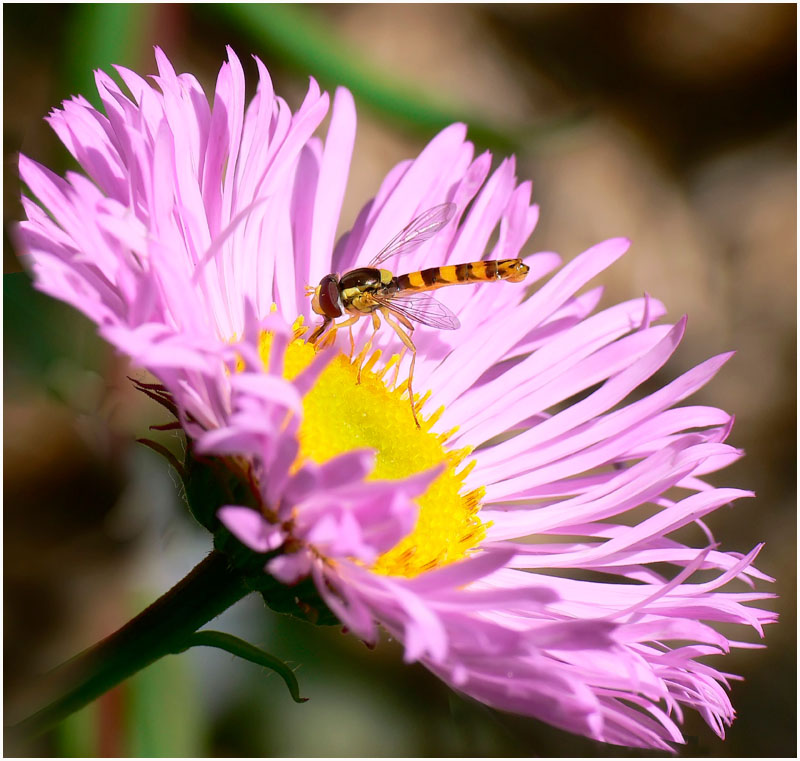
(329, 297)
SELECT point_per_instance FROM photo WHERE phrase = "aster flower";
(521, 543)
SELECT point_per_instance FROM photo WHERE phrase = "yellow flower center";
(341, 414)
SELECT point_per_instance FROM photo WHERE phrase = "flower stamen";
(341, 414)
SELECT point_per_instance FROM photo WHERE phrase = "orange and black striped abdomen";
(512, 270)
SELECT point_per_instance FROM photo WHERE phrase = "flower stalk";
(164, 628)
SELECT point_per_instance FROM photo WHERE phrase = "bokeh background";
(674, 125)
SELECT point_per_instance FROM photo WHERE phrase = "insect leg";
(376, 324)
(348, 323)
(319, 330)
(314, 337)
(397, 367)
(406, 339)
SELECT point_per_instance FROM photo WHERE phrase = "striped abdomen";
(512, 270)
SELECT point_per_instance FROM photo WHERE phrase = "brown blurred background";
(674, 125)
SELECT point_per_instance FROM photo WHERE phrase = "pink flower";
(198, 221)
(150, 244)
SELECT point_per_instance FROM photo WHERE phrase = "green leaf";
(248, 652)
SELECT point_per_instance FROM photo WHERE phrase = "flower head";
(521, 542)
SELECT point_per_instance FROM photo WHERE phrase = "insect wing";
(422, 308)
(416, 232)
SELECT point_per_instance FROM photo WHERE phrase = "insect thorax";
(358, 286)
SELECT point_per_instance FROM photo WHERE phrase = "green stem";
(163, 628)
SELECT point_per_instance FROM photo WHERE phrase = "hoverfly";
(402, 299)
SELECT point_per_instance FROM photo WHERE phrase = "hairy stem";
(163, 628)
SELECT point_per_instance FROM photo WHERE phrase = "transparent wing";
(420, 229)
(422, 308)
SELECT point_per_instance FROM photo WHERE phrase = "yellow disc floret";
(341, 414)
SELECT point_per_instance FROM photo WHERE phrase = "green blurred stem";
(96, 36)
(165, 627)
(298, 36)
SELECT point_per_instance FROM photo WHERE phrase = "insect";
(403, 299)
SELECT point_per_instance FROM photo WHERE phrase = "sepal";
(211, 483)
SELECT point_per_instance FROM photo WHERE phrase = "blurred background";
(674, 125)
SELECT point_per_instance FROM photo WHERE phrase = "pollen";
(341, 414)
